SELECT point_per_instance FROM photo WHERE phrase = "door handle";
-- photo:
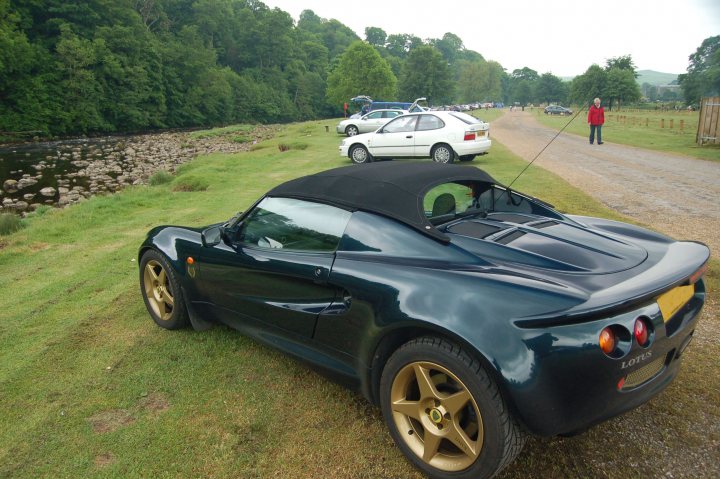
(409, 136)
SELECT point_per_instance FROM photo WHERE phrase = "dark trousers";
(592, 133)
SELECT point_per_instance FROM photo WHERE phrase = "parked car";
(557, 110)
(440, 135)
(367, 123)
(469, 312)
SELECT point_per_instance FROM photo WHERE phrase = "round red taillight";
(641, 332)
(608, 340)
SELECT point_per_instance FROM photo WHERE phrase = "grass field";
(669, 131)
(92, 388)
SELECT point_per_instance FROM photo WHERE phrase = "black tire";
(161, 292)
(442, 153)
(471, 437)
(359, 154)
(467, 157)
(351, 130)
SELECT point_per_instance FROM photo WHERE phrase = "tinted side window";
(285, 223)
(392, 114)
(401, 124)
(429, 122)
(375, 115)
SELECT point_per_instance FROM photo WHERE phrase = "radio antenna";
(544, 148)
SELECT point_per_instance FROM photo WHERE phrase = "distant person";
(596, 118)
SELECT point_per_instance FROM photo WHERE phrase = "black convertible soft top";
(391, 189)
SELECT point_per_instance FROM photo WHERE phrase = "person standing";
(596, 118)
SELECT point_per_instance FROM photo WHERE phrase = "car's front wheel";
(161, 291)
(445, 413)
(351, 130)
(359, 154)
(443, 154)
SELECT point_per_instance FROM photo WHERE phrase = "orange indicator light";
(190, 260)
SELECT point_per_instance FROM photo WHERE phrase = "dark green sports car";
(471, 313)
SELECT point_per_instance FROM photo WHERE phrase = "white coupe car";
(443, 136)
(368, 122)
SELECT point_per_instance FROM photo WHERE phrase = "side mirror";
(213, 236)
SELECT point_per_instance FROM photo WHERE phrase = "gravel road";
(677, 434)
(676, 195)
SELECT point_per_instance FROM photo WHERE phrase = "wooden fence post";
(671, 123)
(682, 125)
(662, 122)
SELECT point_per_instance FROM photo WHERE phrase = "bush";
(190, 183)
(9, 223)
(242, 139)
(160, 178)
(296, 145)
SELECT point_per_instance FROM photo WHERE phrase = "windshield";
(448, 201)
(469, 119)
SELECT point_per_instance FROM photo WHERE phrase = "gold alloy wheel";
(436, 416)
(157, 289)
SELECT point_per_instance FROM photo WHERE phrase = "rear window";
(469, 119)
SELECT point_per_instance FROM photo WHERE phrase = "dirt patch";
(154, 402)
(104, 460)
(109, 421)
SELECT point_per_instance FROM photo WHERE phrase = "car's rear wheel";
(445, 413)
(467, 157)
(351, 130)
(161, 292)
(359, 154)
(443, 154)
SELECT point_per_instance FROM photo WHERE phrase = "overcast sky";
(563, 37)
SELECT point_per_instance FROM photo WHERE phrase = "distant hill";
(647, 76)
(655, 78)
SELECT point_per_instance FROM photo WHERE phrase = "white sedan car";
(368, 122)
(441, 135)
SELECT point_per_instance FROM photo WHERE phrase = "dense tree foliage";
(107, 65)
(703, 73)
(425, 73)
(129, 65)
(361, 70)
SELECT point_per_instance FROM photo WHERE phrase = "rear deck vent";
(511, 237)
(543, 224)
(511, 218)
(474, 229)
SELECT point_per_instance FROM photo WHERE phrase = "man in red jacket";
(596, 118)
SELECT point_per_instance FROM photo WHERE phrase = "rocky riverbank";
(65, 172)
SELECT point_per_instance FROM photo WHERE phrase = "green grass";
(644, 129)
(160, 178)
(9, 223)
(91, 387)
(224, 131)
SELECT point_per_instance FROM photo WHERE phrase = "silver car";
(368, 122)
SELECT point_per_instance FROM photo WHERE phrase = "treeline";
(106, 65)
(69, 67)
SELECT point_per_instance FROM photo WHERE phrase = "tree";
(479, 81)
(399, 45)
(591, 84)
(621, 87)
(525, 73)
(426, 74)
(450, 45)
(703, 73)
(550, 88)
(376, 36)
(361, 71)
(522, 92)
(623, 63)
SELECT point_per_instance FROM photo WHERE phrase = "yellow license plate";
(674, 299)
